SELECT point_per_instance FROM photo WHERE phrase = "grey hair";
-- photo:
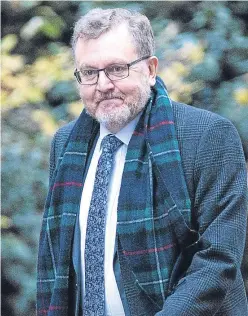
(98, 21)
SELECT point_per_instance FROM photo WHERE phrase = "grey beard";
(119, 118)
(114, 122)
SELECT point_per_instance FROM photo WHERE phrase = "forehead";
(116, 45)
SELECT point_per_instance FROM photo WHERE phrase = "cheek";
(86, 94)
(133, 91)
(128, 89)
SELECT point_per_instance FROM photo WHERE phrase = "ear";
(153, 65)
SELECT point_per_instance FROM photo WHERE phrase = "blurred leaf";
(11, 64)
(15, 250)
(75, 108)
(53, 28)
(32, 27)
(45, 121)
(6, 222)
(46, 11)
(208, 70)
(241, 96)
(29, 4)
(9, 42)
(63, 91)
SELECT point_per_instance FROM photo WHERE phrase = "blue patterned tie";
(94, 301)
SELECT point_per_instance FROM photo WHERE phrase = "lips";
(111, 102)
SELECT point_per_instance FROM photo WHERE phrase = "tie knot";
(110, 143)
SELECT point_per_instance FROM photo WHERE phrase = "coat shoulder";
(64, 131)
(62, 135)
(57, 145)
(190, 116)
(191, 122)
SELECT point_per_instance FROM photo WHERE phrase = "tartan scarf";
(153, 209)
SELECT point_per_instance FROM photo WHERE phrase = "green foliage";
(24, 185)
(203, 51)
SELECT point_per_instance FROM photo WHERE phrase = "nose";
(104, 84)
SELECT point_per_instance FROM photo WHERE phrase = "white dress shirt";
(113, 301)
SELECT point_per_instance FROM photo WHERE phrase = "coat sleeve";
(220, 208)
(58, 142)
(52, 161)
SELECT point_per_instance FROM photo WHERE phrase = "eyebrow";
(117, 61)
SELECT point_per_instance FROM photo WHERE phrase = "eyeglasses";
(113, 72)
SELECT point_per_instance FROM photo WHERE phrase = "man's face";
(114, 103)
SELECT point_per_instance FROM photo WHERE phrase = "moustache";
(108, 96)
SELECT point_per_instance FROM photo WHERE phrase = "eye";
(88, 72)
(116, 69)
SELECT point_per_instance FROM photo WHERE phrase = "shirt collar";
(125, 133)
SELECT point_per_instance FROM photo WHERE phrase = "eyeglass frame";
(76, 72)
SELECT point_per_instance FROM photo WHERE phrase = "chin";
(115, 120)
(114, 126)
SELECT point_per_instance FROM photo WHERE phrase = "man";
(146, 212)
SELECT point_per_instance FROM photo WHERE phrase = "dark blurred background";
(203, 51)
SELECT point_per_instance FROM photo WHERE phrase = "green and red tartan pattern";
(147, 213)
(151, 222)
